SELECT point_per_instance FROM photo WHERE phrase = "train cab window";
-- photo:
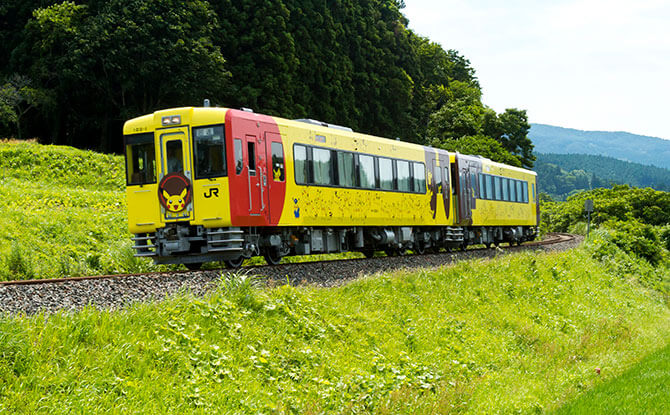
(277, 162)
(140, 159)
(239, 158)
(346, 173)
(322, 166)
(175, 156)
(251, 154)
(210, 152)
(404, 178)
(385, 174)
(419, 178)
(300, 163)
(366, 171)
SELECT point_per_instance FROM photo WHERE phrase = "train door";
(175, 163)
(463, 183)
(256, 175)
(276, 172)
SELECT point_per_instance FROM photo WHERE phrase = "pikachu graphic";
(174, 192)
(175, 203)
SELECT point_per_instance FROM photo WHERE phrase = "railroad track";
(113, 291)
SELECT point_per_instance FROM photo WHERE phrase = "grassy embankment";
(518, 333)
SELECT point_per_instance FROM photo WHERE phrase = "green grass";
(521, 333)
(643, 389)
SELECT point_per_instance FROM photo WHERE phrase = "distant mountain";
(563, 174)
(619, 145)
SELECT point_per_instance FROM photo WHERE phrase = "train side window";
(490, 194)
(505, 189)
(239, 158)
(322, 166)
(498, 186)
(385, 173)
(210, 152)
(534, 198)
(438, 179)
(419, 178)
(251, 154)
(346, 169)
(366, 171)
(403, 175)
(140, 159)
(300, 163)
(482, 186)
(278, 162)
(525, 192)
(519, 192)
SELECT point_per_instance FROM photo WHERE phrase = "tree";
(17, 97)
(480, 145)
(107, 61)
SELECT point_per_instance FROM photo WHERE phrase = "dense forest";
(563, 174)
(76, 70)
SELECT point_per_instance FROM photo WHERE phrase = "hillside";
(62, 213)
(619, 145)
(563, 174)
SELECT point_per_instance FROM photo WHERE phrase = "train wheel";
(369, 253)
(234, 263)
(272, 257)
(194, 266)
(463, 246)
(488, 245)
(420, 248)
(391, 251)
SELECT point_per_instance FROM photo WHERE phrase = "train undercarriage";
(179, 243)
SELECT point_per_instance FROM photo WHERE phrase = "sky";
(592, 64)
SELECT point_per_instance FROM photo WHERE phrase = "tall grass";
(521, 333)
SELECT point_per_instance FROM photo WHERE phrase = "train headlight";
(171, 120)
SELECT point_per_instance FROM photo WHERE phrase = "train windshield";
(210, 152)
(140, 159)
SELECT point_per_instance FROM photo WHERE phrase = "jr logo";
(212, 192)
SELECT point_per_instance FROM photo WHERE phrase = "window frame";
(195, 153)
(142, 139)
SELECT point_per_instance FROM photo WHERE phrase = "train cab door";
(176, 160)
(276, 175)
(256, 175)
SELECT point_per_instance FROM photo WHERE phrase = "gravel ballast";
(116, 292)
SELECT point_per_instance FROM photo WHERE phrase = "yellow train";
(216, 184)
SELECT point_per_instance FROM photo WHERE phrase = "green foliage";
(520, 333)
(563, 174)
(62, 213)
(621, 203)
(483, 146)
(350, 63)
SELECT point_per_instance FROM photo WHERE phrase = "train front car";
(177, 166)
